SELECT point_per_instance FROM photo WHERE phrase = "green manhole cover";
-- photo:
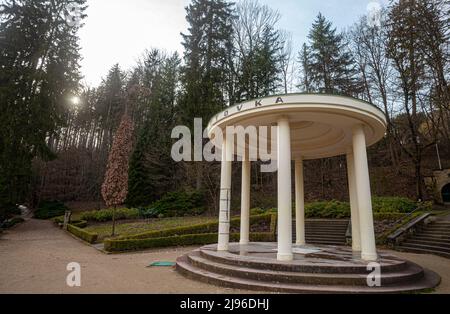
(162, 264)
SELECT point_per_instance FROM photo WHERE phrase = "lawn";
(124, 228)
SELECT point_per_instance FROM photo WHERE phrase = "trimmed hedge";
(107, 214)
(77, 223)
(196, 229)
(141, 244)
(178, 240)
(186, 236)
(83, 234)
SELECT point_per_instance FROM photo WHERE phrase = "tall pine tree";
(331, 66)
(151, 167)
(207, 44)
(258, 51)
(39, 62)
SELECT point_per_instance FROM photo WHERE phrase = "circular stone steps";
(326, 269)
(325, 242)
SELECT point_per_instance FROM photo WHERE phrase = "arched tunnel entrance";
(446, 193)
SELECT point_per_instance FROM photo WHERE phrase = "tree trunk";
(419, 180)
(114, 222)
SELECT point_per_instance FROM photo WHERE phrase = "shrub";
(196, 229)
(178, 240)
(393, 205)
(177, 204)
(425, 206)
(332, 209)
(83, 234)
(77, 223)
(388, 216)
(107, 214)
(259, 237)
(50, 209)
(257, 211)
(11, 222)
(188, 236)
(381, 205)
(8, 210)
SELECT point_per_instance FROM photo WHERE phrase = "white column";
(299, 203)
(225, 196)
(284, 192)
(368, 245)
(356, 236)
(245, 201)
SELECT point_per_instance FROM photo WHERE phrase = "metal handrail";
(396, 234)
(407, 216)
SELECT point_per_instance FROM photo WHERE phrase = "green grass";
(129, 229)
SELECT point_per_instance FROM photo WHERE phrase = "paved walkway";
(34, 257)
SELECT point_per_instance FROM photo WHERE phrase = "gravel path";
(34, 257)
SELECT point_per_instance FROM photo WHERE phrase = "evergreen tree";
(207, 47)
(259, 51)
(305, 78)
(39, 57)
(331, 66)
(151, 167)
(111, 104)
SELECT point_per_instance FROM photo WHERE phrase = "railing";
(407, 216)
(409, 228)
(392, 238)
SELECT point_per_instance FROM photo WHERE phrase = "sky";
(118, 31)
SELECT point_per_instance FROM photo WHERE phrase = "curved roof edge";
(210, 122)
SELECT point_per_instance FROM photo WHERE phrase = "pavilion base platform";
(315, 269)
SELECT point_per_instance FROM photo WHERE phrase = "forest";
(57, 135)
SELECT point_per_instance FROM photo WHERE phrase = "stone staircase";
(332, 270)
(431, 239)
(324, 231)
